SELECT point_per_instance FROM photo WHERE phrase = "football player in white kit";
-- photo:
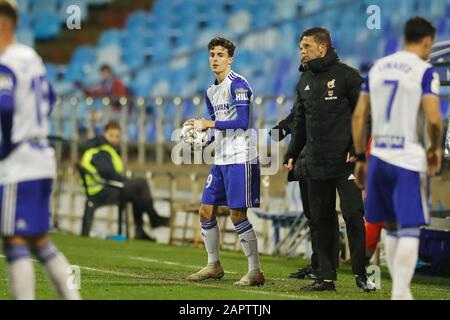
(27, 165)
(234, 179)
(398, 90)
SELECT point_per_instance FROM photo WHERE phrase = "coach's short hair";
(223, 42)
(112, 125)
(8, 8)
(320, 35)
(417, 28)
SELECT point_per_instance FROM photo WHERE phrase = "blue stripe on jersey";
(240, 92)
(232, 76)
(430, 85)
(7, 86)
(51, 98)
(210, 108)
(242, 120)
(365, 85)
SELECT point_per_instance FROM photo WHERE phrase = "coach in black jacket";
(326, 96)
(282, 129)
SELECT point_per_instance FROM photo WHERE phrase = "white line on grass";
(133, 275)
(268, 293)
(171, 263)
(181, 282)
(118, 273)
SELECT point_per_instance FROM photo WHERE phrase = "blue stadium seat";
(169, 128)
(46, 25)
(67, 129)
(110, 37)
(150, 129)
(26, 37)
(51, 72)
(133, 131)
(138, 21)
(24, 21)
(84, 55)
(74, 72)
(23, 6)
(142, 82)
(42, 6)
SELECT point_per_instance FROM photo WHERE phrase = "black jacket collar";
(321, 64)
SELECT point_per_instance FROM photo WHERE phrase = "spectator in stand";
(110, 86)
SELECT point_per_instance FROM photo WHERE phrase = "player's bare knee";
(238, 215)
(206, 212)
(15, 241)
(38, 241)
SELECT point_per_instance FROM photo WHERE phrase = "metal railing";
(147, 123)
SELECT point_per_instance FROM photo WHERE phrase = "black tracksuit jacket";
(327, 94)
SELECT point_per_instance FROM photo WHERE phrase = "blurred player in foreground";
(398, 88)
(234, 179)
(27, 165)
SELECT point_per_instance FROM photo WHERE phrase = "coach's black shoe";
(304, 273)
(364, 283)
(141, 235)
(160, 222)
(320, 285)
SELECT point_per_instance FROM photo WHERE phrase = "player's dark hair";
(219, 41)
(417, 28)
(6, 9)
(112, 125)
(320, 35)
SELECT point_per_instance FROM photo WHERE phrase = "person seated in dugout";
(102, 157)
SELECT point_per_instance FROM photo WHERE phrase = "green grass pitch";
(140, 270)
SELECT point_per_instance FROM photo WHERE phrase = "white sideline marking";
(171, 263)
(118, 273)
(133, 275)
(269, 293)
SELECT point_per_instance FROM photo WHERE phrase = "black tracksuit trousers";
(313, 229)
(322, 205)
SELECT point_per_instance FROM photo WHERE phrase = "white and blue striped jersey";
(229, 104)
(396, 84)
(26, 100)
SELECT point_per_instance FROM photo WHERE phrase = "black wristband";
(361, 157)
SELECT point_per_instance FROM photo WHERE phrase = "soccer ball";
(194, 137)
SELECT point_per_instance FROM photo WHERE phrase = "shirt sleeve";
(210, 107)
(242, 120)
(7, 90)
(241, 95)
(430, 83)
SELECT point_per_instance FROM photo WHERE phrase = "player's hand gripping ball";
(194, 137)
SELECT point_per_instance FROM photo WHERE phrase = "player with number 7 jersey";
(400, 92)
